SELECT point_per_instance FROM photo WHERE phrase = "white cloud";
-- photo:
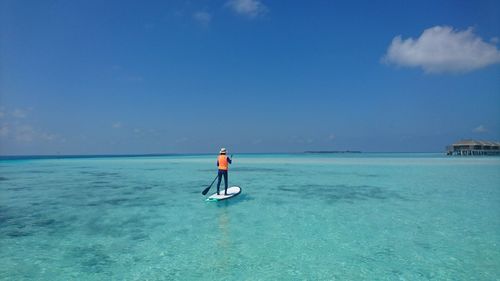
(257, 141)
(248, 8)
(16, 127)
(203, 18)
(19, 113)
(4, 130)
(302, 140)
(117, 125)
(25, 133)
(48, 136)
(480, 129)
(182, 140)
(442, 49)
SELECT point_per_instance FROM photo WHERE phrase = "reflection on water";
(223, 243)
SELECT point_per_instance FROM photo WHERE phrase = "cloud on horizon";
(202, 18)
(248, 8)
(19, 113)
(16, 127)
(442, 49)
(480, 129)
(4, 130)
(117, 125)
(25, 133)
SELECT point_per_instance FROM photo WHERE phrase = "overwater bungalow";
(474, 147)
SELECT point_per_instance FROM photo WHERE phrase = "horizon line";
(51, 156)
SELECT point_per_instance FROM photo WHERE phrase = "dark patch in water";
(362, 175)
(15, 188)
(423, 245)
(126, 201)
(342, 192)
(143, 187)
(18, 233)
(287, 189)
(83, 167)
(384, 253)
(182, 232)
(92, 259)
(103, 185)
(96, 227)
(3, 179)
(366, 259)
(208, 170)
(156, 169)
(117, 201)
(249, 169)
(40, 172)
(133, 222)
(100, 174)
(45, 222)
(140, 236)
(148, 202)
(100, 182)
(368, 175)
(258, 169)
(4, 217)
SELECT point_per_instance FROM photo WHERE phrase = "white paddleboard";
(231, 192)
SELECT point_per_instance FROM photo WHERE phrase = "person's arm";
(229, 160)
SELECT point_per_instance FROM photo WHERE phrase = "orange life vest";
(223, 163)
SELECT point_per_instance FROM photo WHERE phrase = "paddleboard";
(231, 192)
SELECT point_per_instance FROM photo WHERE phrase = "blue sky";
(110, 77)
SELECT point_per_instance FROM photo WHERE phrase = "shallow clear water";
(299, 217)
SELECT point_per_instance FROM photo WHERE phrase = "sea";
(346, 216)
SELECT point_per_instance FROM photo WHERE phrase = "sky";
(140, 77)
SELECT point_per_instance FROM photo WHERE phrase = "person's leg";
(225, 182)
(218, 182)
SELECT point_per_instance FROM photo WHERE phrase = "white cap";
(222, 150)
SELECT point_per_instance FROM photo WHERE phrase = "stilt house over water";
(474, 147)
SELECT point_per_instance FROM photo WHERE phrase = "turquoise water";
(299, 217)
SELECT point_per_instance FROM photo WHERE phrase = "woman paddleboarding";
(223, 164)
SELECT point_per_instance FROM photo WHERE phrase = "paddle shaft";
(208, 188)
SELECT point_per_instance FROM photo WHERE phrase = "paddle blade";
(205, 191)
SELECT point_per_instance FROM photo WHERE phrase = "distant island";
(333, 151)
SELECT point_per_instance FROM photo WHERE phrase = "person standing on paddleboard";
(223, 164)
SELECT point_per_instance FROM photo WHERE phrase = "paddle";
(204, 192)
